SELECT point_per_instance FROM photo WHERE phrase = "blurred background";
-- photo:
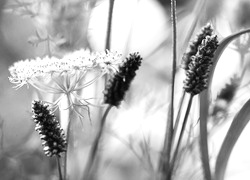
(135, 131)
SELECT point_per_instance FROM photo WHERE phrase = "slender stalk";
(180, 137)
(94, 148)
(107, 47)
(166, 152)
(203, 137)
(177, 121)
(109, 25)
(66, 153)
(65, 124)
(109, 28)
(59, 167)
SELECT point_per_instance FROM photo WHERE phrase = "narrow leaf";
(239, 123)
(222, 45)
(204, 103)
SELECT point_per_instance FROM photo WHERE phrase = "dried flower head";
(193, 46)
(49, 129)
(118, 85)
(198, 70)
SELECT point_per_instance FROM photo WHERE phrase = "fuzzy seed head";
(49, 129)
(197, 73)
(194, 45)
(118, 85)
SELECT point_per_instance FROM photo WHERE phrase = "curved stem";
(94, 148)
(180, 137)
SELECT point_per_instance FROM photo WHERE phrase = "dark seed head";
(194, 45)
(197, 73)
(117, 86)
(49, 129)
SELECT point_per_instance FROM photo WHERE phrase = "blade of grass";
(239, 123)
(204, 104)
(222, 45)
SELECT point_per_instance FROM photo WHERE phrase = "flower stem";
(59, 167)
(203, 141)
(94, 148)
(65, 123)
(176, 125)
(166, 152)
(180, 137)
(109, 25)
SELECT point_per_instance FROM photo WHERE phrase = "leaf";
(239, 123)
(222, 45)
(204, 103)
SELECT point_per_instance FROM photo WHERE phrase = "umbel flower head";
(49, 129)
(198, 70)
(40, 72)
(66, 76)
(194, 45)
(117, 86)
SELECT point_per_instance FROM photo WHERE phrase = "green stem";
(109, 25)
(59, 167)
(180, 137)
(203, 138)
(176, 125)
(109, 28)
(94, 148)
(65, 124)
(166, 152)
(66, 153)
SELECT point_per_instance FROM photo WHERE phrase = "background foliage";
(135, 132)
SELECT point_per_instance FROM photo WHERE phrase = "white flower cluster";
(22, 72)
